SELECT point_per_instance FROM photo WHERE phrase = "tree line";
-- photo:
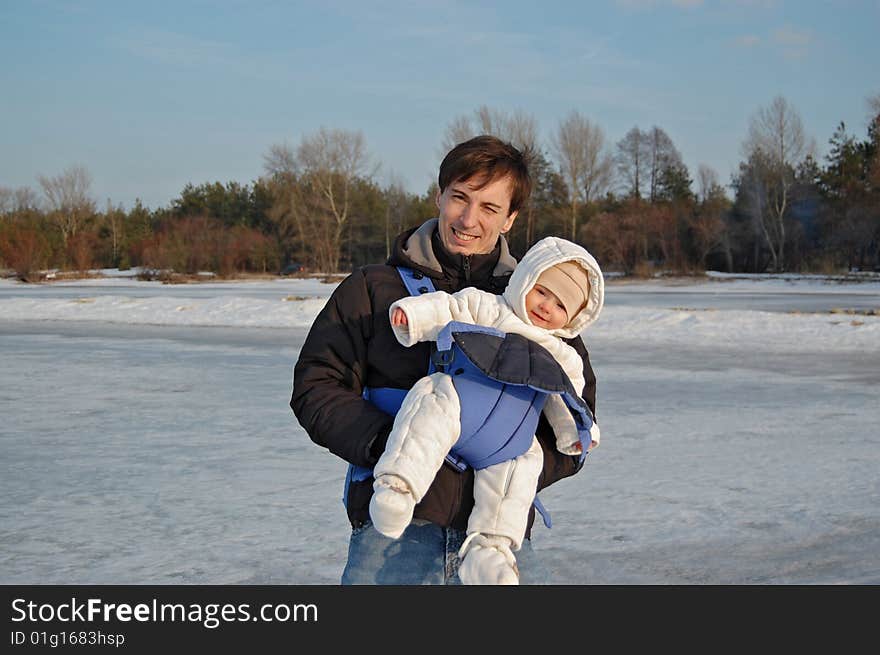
(633, 203)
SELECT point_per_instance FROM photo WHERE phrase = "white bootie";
(392, 505)
(487, 560)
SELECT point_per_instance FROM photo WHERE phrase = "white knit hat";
(569, 282)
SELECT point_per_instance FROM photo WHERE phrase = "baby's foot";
(488, 560)
(392, 505)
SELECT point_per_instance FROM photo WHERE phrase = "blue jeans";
(425, 554)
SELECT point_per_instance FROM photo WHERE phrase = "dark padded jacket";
(351, 346)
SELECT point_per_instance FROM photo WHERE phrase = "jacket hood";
(548, 252)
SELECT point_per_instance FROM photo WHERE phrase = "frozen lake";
(717, 293)
(738, 447)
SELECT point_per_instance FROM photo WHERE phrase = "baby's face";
(544, 309)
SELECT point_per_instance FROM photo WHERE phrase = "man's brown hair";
(488, 158)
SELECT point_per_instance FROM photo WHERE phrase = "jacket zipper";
(466, 265)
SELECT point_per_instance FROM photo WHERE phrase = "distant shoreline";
(611, 277)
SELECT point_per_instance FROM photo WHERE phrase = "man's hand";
(398, 317)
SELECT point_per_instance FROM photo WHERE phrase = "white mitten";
(569, 447)
(562, 422)
(392, 505)
(487, 560)
(565, 428)
(595, 435)
(575, 446)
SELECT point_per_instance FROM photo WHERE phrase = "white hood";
(546, 253)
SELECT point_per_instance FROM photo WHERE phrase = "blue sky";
(151, 96)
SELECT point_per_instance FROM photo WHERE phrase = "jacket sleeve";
(556, 464)
(328, 377)
(427, 314)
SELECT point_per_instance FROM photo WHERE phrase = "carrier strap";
(416, 283)
(444, 337)
(390, 399)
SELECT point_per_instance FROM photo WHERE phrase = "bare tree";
(778, 132)
(873, 107)
(459, 130)
(69, 197)
(707, 182)
(490, 121)
(114, 218)
(706, 224)
(519, 128)
(25, 198)
(313, 186)
(874, 134)
(662, 156)
(331, 160)
(583, 160)
(280, 160)
(776, 143)
(632, 159)
(281, 166)
(7, 200)
(644, 160)
(395, 210)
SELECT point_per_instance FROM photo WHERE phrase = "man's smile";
(463, 236)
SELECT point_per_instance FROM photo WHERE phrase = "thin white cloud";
(175, 48)
(635, 4)
(185, 52)
(760, 4)
(795, 42)
(793, 37)
(649, 4)
(747, 41)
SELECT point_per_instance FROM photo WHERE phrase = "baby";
(555, 292)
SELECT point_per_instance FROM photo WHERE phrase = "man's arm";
(329, 376)
(556, 464)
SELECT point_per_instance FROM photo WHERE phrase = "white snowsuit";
(428, 422)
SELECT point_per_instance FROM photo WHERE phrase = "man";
(483, 184)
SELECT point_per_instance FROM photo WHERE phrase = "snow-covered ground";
(146, 436)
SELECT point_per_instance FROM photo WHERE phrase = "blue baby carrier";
(503, 381)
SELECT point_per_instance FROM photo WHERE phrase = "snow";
(146, 436)
(295, 303)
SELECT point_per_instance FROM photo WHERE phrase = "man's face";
(471, 219)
